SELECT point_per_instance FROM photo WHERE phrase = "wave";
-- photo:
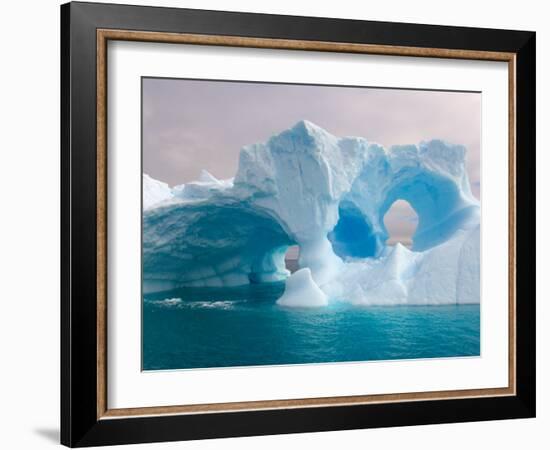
(180, 304)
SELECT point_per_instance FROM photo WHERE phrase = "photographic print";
(272, 224)
(307, 224)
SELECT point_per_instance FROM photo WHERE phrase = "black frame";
(79, 423)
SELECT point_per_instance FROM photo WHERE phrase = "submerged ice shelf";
(327, 195)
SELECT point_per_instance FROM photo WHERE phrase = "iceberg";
(302, 292)
(327, 195)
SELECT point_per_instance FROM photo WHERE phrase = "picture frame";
(86, 418)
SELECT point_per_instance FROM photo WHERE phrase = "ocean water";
(210, 327)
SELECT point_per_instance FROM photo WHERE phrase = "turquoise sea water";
(210, 327)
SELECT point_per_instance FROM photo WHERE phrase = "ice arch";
(431, 177)
(211, 245)
(438, 202)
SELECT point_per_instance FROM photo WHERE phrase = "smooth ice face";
(327, 195)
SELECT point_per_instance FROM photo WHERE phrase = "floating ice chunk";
(167, 302)
(302, 292)
(220, 304)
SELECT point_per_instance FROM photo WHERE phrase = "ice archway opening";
(400, 222)
(353, 236)
(436, 200)
(223, 245)
(292, 256)
(432, 205)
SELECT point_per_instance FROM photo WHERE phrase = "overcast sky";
(189, 125)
